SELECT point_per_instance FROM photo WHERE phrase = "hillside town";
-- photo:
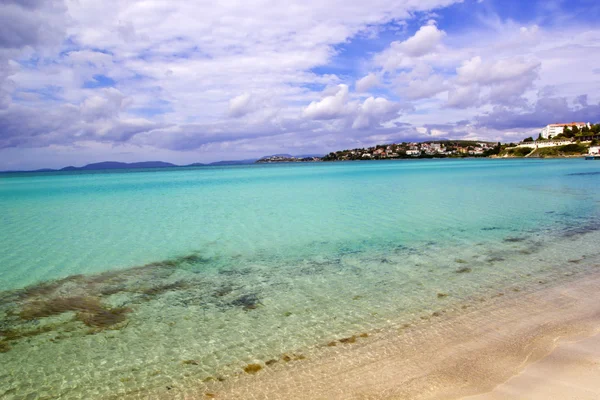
(555, 140)
(437, 149)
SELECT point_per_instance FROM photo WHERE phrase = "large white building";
(556, 129)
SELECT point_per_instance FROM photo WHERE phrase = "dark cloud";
(22, 126)
(546, 110)
(26, 23)
(582, 100)
(31, 22)
(193, 136)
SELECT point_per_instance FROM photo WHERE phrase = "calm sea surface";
(112, 283)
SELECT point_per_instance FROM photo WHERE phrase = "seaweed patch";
(89, 310)
(514, 239)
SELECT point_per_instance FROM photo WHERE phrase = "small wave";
(584, 173)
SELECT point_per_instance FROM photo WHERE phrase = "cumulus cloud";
(107, 103)
(400, 54)
(419, 89)
(26, 24)
(371, 113)
(546, 110)
(31, 23)
(366, 82)
(330, 107)
(477, 71)
(92, 66)
(504, 81)
(464, 96)
(375, 111)
(182, 76)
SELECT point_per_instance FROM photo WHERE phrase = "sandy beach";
(571, 371)
(538, 345)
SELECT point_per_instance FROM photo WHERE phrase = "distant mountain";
(113, 165)
(119, 165)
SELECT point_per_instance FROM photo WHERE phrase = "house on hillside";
(557, 129)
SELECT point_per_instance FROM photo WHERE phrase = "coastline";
(569, 372)
(454, 356)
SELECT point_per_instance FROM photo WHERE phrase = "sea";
(115, 284)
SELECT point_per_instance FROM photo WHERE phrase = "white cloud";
(240, 105)
(425, 88)
(194, 75)
(330, 107)
(401, 54)
(375, 111)
(464, 96)
(107, 103)
(424, 41)
(505, 81)
(476, 70)
(366, 82)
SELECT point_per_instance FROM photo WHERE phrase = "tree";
(575, 130)
(540, 137)
(527, 140)
(567, 132)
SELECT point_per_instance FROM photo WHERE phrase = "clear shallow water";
(216, 268)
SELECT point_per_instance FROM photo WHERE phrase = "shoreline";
(461, 349)
(454, 357)
(569, 372)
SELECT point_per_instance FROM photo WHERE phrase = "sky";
(84, 81)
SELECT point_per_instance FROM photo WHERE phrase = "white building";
(595, 150)
(414, 153)
(538, 144)
(557, 129)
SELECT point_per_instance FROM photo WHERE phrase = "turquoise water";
(215, 268)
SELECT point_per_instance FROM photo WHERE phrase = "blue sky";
(203, 81)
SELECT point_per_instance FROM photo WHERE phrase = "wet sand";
(571, 371)
(453, 356)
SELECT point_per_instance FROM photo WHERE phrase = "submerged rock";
(351, 339)
(252, 368)
(223, 291)
(4, 347)
(247, 301)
